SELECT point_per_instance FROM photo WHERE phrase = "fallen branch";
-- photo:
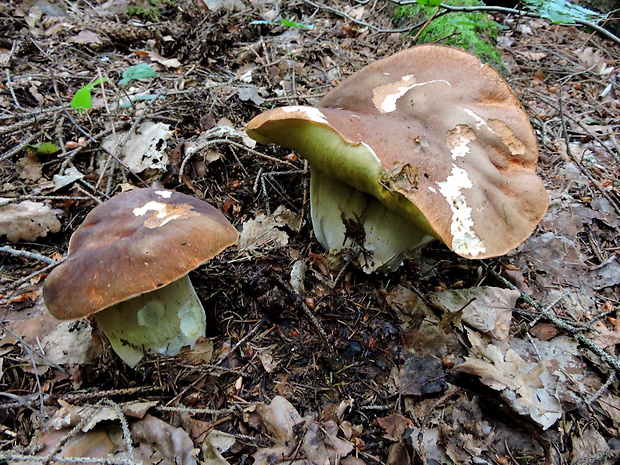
(28, 255)
(611, 360)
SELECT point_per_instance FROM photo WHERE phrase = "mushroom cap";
(433, 134)
(134, 243)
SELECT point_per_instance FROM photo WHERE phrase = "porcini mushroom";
(426, 144)
(128, 266)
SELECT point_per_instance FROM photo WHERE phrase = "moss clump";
(474, 32)
(153, 11)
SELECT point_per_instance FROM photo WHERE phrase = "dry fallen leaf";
(318, 441)
(144, 149)
(27, 221)
(527, 387)
(264, 231)
(487, 309)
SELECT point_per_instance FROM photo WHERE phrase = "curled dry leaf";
(144, 149)
(487, 309)
(318, 441)
(526, 386)
(264, 231)
(27, 221)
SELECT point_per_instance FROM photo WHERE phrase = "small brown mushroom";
(426, 144)
(128, 266)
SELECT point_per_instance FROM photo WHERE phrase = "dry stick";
(195, 411)
(216, 365)
(80, 396)
(601, 457)
(18, 147)
(34, 113)
(363, 23)
(602, 389)
(77, 429)
(11, 90)
(124, 428)
(233, 144)
(611, 360)
(28, 255)
(426, 24)
(30, 348)
(87, 134)
(583, 169)
(20, 281)
(614, 155)
(243, 339)
(110, 460)
(17, 126)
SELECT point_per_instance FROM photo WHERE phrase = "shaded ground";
(444, 361)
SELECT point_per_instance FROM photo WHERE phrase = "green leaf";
(129, 103)
(429, 2)
(92, 85)
(140, 71)
(289, 23)
(44, 148)
(561, 11)
(82, 100)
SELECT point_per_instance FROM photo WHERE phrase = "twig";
(603, 388)
(18, 147)
(79, 396)
(11, 90)
(25, 458)
(124, 427)
(469, 9)
(233, 144)
(363, 23)
(601, 457)
(15, 284)
(243, 339)
(28, 347)
(577, 163)
(28, 255)
(195, 411)
(611, 360)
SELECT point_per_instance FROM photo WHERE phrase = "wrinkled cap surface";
(453, 148)
(134, 243)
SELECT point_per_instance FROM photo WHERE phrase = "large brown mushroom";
(128, 266)
(426, 144)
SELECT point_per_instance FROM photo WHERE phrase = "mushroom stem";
(161, 321)
(344, 217)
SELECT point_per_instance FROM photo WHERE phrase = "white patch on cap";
(164, 194)
(385, 100)
(458, 140)
(152, 205)
(163, 213)
(480, 121)
(465, 241)
(432, 189)
(313, 113)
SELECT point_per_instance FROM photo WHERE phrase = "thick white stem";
(160, 321)
(338, 212)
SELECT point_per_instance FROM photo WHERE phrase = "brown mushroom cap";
(134, 243)
(455, 152)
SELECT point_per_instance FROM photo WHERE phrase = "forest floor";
(510, 360)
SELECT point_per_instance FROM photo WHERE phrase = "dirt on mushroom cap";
(136, 242)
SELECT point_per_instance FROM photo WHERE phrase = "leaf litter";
(306, 360)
